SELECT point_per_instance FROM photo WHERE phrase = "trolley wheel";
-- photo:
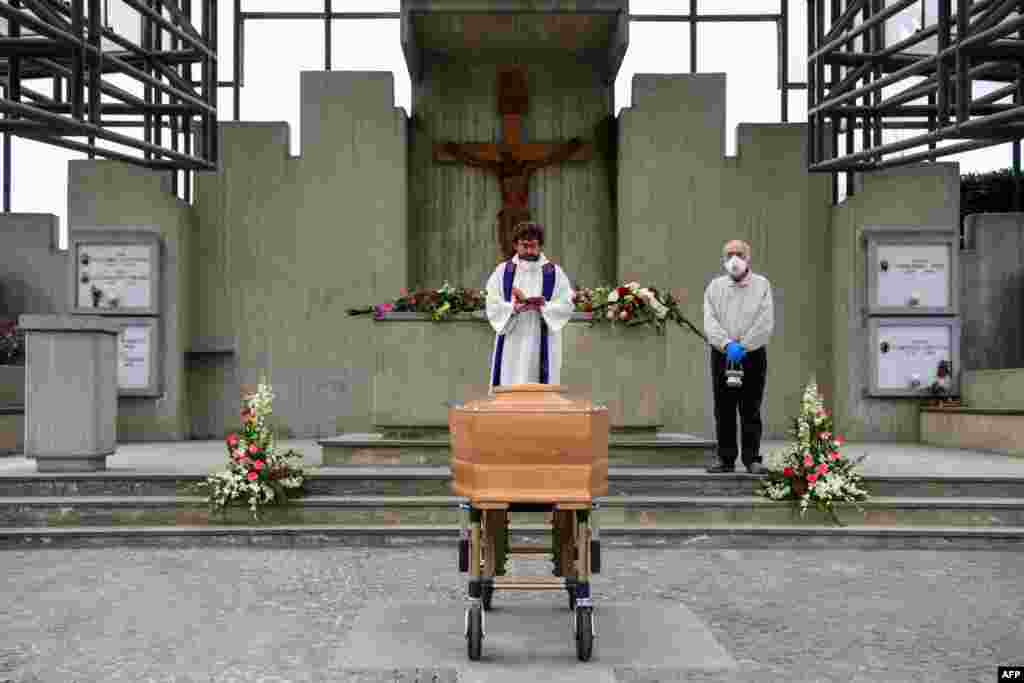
(487, 595)
(584, 633)
(475, 635)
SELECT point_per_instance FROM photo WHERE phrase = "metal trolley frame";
(578, 558)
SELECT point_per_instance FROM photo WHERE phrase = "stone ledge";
(966, 410)
(476, 316)
(723, 536)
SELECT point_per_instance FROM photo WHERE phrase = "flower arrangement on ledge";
(12, 343)
(441, 303)
(629, 304)
(257, 473)
(813, 471)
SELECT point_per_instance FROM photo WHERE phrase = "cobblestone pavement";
(227, 614)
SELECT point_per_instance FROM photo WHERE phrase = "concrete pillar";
(70, 392)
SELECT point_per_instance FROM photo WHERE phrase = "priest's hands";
(529, 306)
(525, 303)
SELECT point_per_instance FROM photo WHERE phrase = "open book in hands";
(533, 303)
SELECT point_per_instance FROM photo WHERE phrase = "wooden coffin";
(529, 443)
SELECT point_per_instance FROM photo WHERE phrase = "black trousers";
(747, 399)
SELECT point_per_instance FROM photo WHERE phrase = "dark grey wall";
(33, 271)
(992, 291)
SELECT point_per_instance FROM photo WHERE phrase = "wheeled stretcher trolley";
(530, 448)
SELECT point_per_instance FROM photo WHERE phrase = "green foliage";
(992, 192)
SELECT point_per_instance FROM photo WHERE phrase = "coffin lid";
(529, 398)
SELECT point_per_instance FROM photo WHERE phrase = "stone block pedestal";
(70, 392)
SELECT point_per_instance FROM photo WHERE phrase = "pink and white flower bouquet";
(257, 473)
(813, 470)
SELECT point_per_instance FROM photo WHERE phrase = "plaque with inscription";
(133, 357)
(910, 356)
(913, 274)
(115, 276)
(115, 273)
(139, 357)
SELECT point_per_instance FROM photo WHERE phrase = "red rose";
(787, 472)
(233, 440)
(253, 449)
(253, 476)
(622, 291)
(811, 478)
(257, 465)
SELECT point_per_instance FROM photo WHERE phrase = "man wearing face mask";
(738, 321)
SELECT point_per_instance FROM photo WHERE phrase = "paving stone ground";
(239, 614)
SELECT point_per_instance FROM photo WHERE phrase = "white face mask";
(735, 266)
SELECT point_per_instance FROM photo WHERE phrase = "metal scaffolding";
(70, 45)
(981, 40)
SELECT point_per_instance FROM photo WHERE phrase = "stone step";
(623, 511)
(435, 481)
(702, 536)
(626, 449)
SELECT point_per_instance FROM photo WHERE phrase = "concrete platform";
(884, 459)
(631, 449)
(523, 640)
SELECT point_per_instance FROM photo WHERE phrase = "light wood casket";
(529, 443)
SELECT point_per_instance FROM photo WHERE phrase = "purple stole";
(549, 289)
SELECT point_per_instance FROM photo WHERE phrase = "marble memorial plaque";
(913, 276)
(112, 277)
(908, 357)
(135, 349)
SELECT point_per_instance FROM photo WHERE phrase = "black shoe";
(721, 469)
(757, 468)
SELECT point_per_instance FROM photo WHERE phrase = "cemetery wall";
(107, 195)
(453, 208)
(922, 195)
(994, 389)
(992, 291)
(284, 245)
(681, 199)
(33, 270)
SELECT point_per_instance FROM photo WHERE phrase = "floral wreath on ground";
(813, 470)
(629, 305)
(257, 473)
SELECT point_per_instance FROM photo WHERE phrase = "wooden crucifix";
(512, 160)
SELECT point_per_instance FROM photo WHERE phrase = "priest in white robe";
(529, 301)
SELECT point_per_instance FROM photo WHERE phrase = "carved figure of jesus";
(514, 178)
(512, 161)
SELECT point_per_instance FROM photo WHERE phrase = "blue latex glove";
(734, 353)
